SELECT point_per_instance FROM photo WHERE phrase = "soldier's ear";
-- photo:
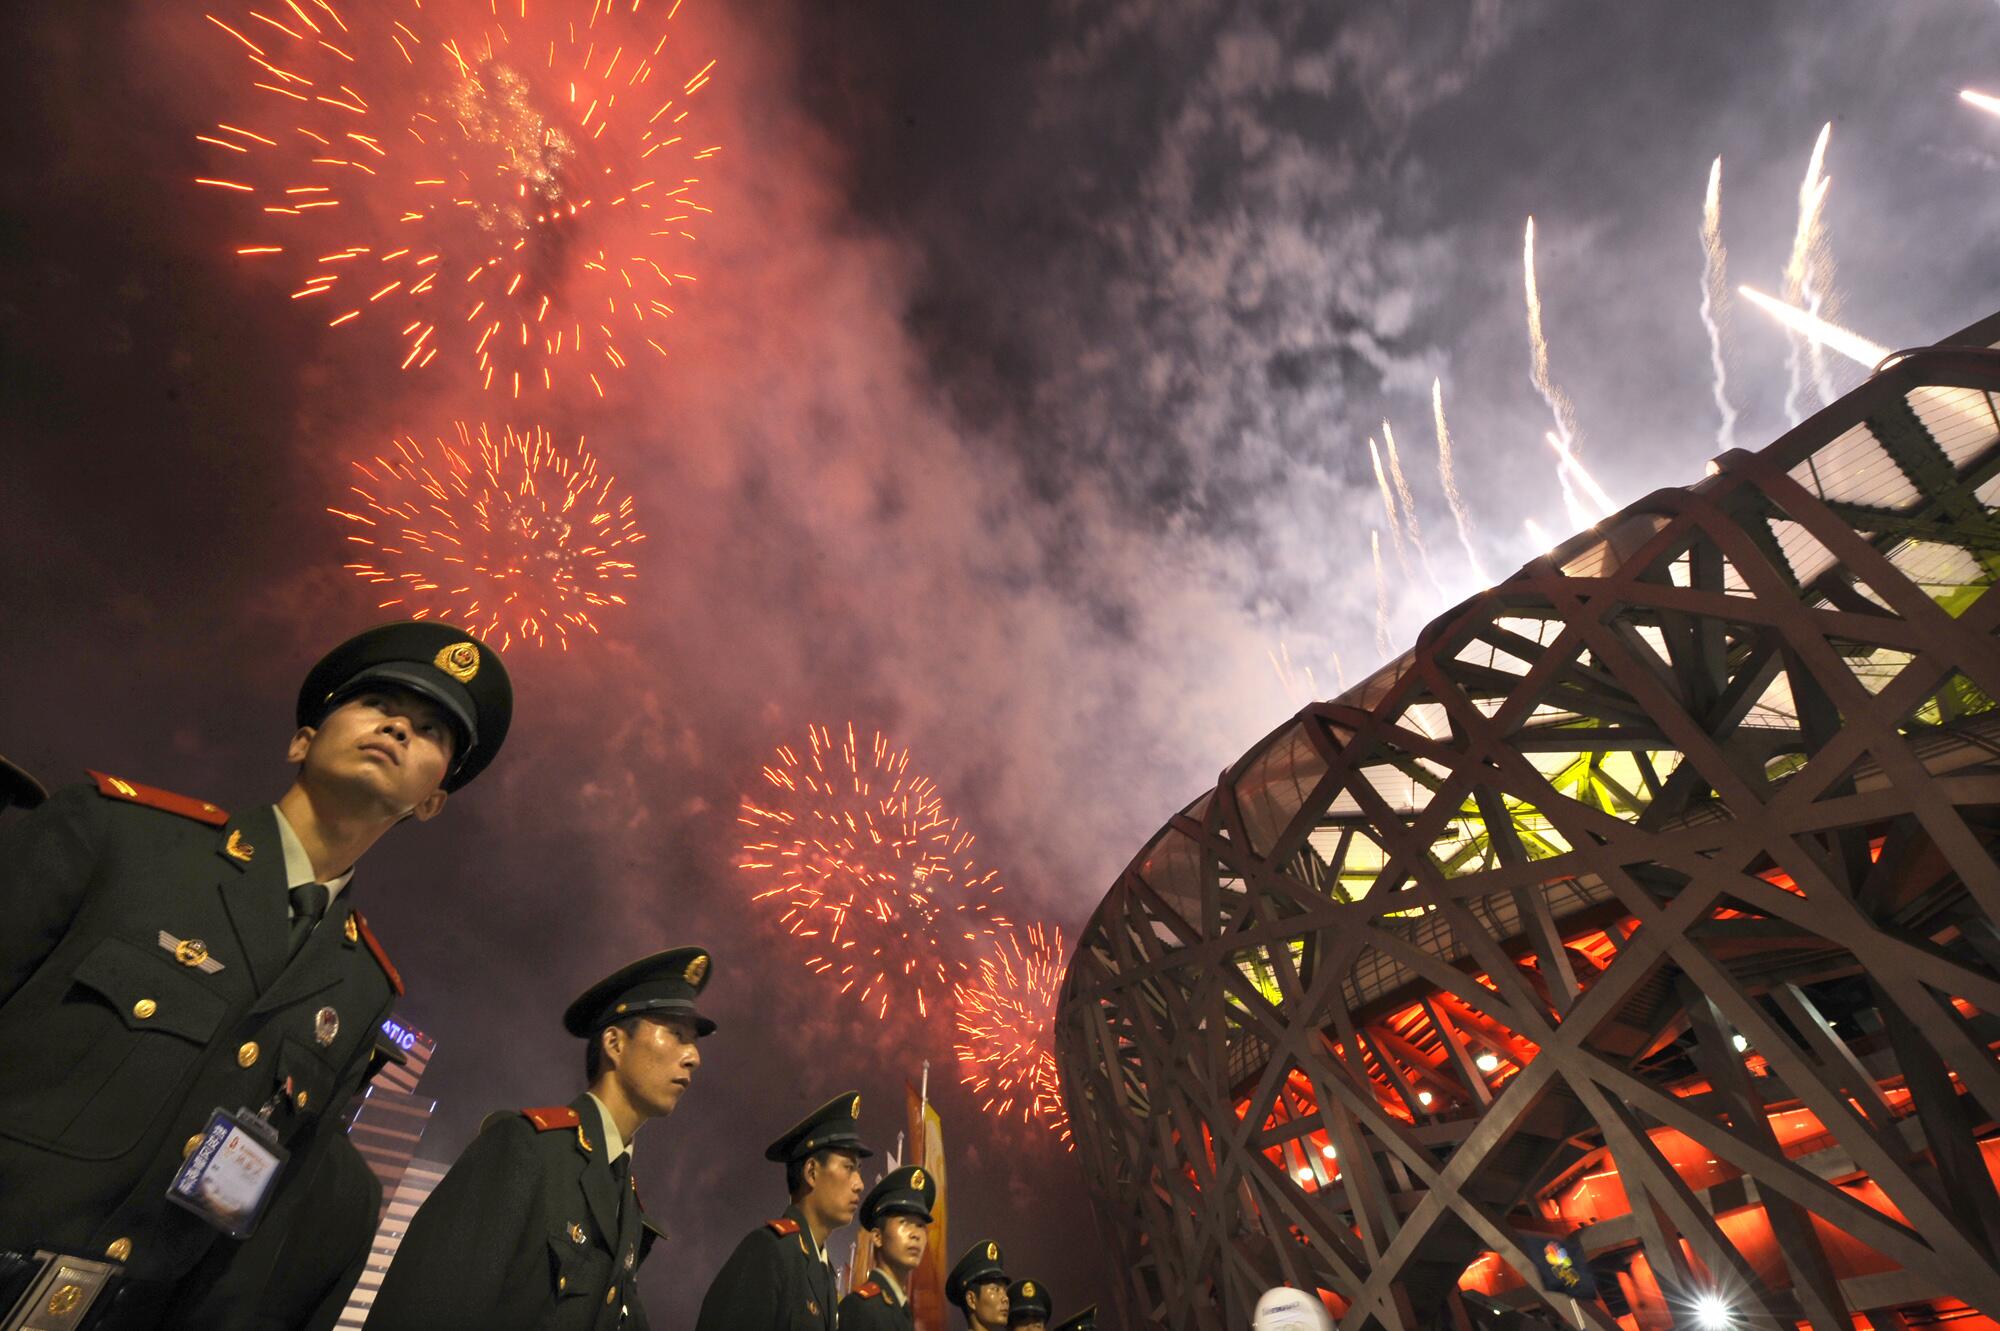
(302, 738)
(429, 806)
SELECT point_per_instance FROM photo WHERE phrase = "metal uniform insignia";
(576, 1232)
(917, 1180)
(460, 661)
(326, 1026)
(992, 1252)
(812, 1307)
(1028, 1289)
(697, 971)
(237, 848)
(854, 1107)
(582, 1140)
(352, 930)
(190, 952)
(631, 1259)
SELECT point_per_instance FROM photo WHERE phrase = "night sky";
(1020, 411)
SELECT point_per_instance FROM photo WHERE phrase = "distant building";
(386, 1123)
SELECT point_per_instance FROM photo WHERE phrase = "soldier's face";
(901, 1240)
(390, 743)
(989, 1303)
(836, 1187)
(656, 1065)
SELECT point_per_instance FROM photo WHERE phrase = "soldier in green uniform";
(1028, 1306)
(898, 1211)
(779, 1277)
(189, 997)
(537, 1227)
(977, 1286)
(1083, 1321)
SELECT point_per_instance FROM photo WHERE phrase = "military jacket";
(146, 979)
(872, 1306)
(775, 1281)
(529, 1231)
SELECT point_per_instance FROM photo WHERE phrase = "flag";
(927, 1150)
(1563, 1268)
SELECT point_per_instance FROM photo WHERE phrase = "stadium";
(1624, 955)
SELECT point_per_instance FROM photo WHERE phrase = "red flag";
(927, 1150)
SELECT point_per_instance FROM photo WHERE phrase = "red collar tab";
(381, 957)
(783, 1225)
(551, 1118)
(118, 788)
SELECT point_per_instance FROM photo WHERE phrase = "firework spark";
(1809, 279)
(1543, 542)
(1409, 503)
(514, 537)
(1449, 480)
(1567, 461)
(1984, 101)
(1389, 506)
(1818, 331)
(859, 857)
(1381, 596)
(1006, 1021)
(1538, 345)
(515, 195)
(1715, 301)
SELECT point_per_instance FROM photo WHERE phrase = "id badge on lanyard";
(229, 1177)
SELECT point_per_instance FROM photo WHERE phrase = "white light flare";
(1823, 332)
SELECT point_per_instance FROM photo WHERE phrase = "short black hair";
(966, 1296)
(593, 1052)
(795, 1170)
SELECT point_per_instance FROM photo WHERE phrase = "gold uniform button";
(187, 1147)
(609, 1295)
(118, 1249)
(246, 1054)
(562, 1283)
(144, 1008)
(300, 1099)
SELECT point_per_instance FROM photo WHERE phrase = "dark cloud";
(1020, 411)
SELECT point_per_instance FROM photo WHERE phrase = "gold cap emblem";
(992, 1252)
(917, 1180)
(1027, 1289)
(854, 1107)
(460, 661)
(65, 1299)
(237, 848)
(697, 971)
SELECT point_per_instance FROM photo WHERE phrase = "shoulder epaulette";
(118, 788)
(867, 1289)
(784, 1224)
(381, 957)
(551, 1118)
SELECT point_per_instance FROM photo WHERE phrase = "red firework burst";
(513, 189)
(857, 854)
(515, 538)
(1006, 1029)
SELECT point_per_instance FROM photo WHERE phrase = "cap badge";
(352, 930)
(326, 1026)
(460, 661)
(917, 1180)
(576, 1234)
(1027, 1289)
(854, 1107)
(236, 848)
(697, 971)
(992, 1252)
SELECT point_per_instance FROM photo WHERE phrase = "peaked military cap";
(831, 1127)
(1083, 1321)
(980, 1265)
(18, 789)
(445, 664)
(1027, 1301)
(905, 1191)
(665, 984)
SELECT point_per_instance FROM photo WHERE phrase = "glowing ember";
(510, 191)
(1006, 1020)
(1818, 331)
(515, 538)
(860, 859)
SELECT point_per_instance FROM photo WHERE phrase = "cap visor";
(425, 683)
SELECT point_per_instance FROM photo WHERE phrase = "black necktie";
(308, 905)
(621, 1169)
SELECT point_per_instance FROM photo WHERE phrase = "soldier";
(188, 998)
(779, 1277)
(538, 1225)
(1028, 1306)
(898, 1210)
(1083, 1321)
(977, 1286)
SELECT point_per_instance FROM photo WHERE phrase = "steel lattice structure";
(1650, 901)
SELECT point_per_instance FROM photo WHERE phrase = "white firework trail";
(1538, 347)
(1389, 507)
(1808, 279)
(1573, 509)
(1542, 541)
(1817, 330)
(1448, 479)
(1715, 301)
(1381, 595)
(1566, 460)
(1289, 676)
(1409, 502)
(1984, 101)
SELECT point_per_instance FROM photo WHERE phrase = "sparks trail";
(513, 193)
(1715, 301)
(1381, 596)
(1984, 101)
(515, 538)
(1409, 503)
(1569, 467)
(1809, 281)
(1389, 506)
(1005, 1022)
(1448, 478)
(857, 855)
(1538, 348)
(1819, 332)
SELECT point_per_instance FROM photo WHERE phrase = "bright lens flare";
(514, 536)
(855, 852)
(1985, 102)
(1822, 332)
(1006, 1023)
(515, 195)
